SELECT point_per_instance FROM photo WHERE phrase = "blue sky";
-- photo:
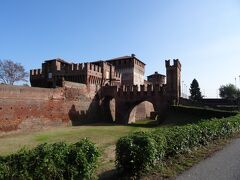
(203, 35)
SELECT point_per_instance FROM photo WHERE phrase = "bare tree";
(11, 72)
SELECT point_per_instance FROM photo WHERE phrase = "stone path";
(223, 165)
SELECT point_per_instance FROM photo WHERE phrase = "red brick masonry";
(29, 107)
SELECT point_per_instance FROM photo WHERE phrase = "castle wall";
(53, 71)
(27, 108)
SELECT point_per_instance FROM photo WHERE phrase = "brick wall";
(27, 108)
(23, 108)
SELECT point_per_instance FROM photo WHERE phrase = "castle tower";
(173, 80)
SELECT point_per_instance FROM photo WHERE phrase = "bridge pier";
(161, 114)
(108, 114)
(122, 113)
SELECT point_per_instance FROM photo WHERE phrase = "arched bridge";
(127, 97)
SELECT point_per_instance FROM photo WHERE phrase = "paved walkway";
(223, 165)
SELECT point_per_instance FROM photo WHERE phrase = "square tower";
(131, 68)
(173, 79)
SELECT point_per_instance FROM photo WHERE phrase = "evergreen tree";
(195, 91)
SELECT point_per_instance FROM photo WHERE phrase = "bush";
(3, 168)
(52, 161)
(82, 159)
(139, 151)
(142, 150)
(179, 139)
(135, 153)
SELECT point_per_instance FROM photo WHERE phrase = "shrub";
(139, 151)
(3, 168)
(179, 139)
(136, 153)
(142, 150)
(48, 161)
(52, 161)
(82, 159)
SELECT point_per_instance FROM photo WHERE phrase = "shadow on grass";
(141, 123)
(109, 175)
(101, 124)
(145, 123)
(116, 174)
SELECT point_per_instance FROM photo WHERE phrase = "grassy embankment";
(105, 136)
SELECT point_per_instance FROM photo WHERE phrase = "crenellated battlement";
(80, 67)
(176, 63)
(96, 68)
(148, 89)
(35, 72)
(83, 67)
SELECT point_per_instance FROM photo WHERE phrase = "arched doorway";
(141, 111)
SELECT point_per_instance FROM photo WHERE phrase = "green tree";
(229, 91)
(195, 91)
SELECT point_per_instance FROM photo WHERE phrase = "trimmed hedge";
(52, 161)
(203, 112)
(139, 151)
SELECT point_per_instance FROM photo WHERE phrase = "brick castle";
(126, 70)
(65, 93)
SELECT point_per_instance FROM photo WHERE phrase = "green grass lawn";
(104, 135)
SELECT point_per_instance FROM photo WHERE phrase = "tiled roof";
(57, 59)
(122, 57)
(125, 57)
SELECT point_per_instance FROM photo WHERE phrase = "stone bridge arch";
(141, 111)
(124, 109)
(129, 111)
